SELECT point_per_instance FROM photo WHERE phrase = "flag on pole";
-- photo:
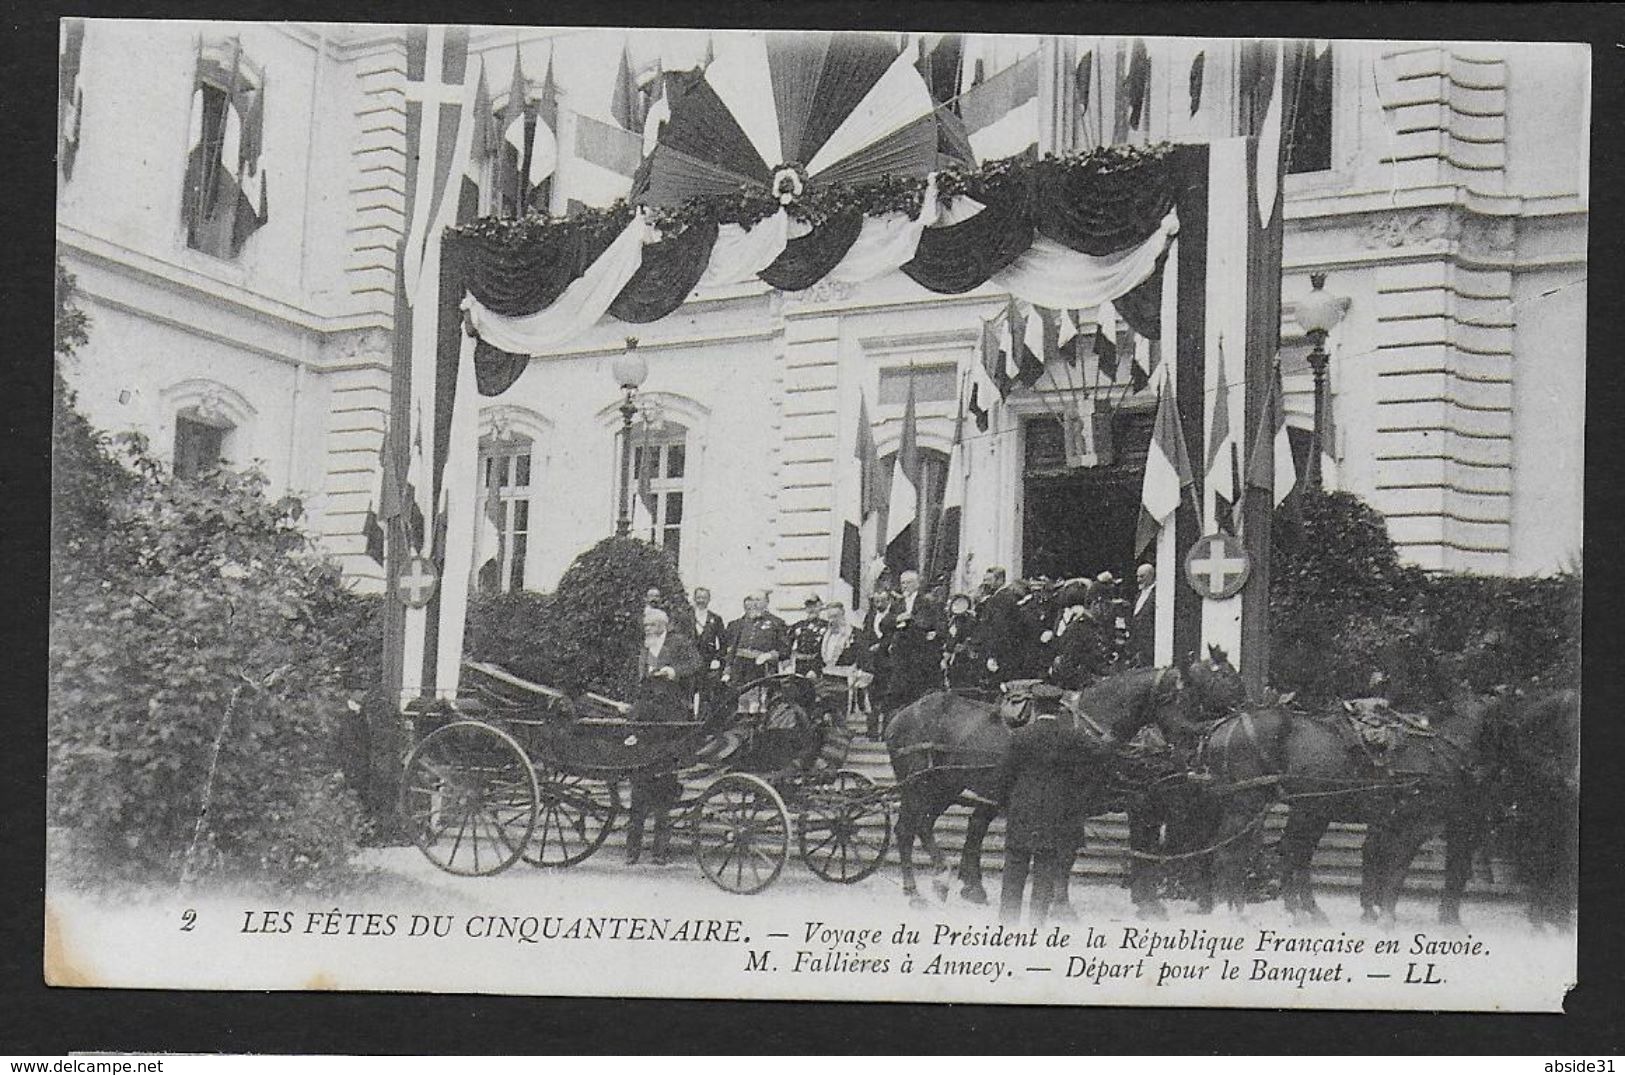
(223, 199)
(1137, 83)
(1328, 448)
(945, 544)
(1167, 470)
(1269, 136)
(1270, 464)
(1198, 73)
(544, 142)
(626, 102)
(1220, 472)
(978, 411)
(993, 356)
(1036, 347)
(70, 94)
(903, 506)
(491, 520)
(866, 498)
(1009, 334)
(1106, 340)
(1067, 337)
(441, 189)
(659, 112)
(514, 114)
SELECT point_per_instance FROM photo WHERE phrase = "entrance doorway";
(1080, 521)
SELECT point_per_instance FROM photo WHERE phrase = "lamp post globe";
(1317, 314)
(629, 370)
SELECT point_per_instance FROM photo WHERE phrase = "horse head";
(1218, 686)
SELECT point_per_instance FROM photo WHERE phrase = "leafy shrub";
(198, 649)
(191, 674)
(584, 635)
(1343, 607)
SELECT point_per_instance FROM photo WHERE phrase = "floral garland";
(818, 203)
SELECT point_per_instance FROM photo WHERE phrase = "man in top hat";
(806, 638)
(914, 626)
(1001, 629)
(708, 631)
(667, 663)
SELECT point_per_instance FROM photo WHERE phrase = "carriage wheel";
(845, 829)
(469, 798)
(576, 816)
(741, 833)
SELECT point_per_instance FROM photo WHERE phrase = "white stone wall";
(1453, 217)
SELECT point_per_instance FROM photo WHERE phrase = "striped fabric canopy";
(783, 111)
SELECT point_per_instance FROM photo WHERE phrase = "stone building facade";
(1448, 203)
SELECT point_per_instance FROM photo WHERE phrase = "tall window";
(504, 515)
(224, 198)
(199, 446)
(1309, 145)
(659, 466)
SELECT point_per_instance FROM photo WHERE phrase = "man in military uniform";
(806, 638)
(755, 643)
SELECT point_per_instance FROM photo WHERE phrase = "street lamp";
(629, 369)
(1317, 314)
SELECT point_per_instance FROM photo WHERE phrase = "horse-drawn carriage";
(515, 771)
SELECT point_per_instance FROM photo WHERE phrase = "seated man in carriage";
(667, 664)
(843, 668)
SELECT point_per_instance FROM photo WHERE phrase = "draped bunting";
(962, 257)
(1100, 212)
(886, 242)
(579, 306)
(1066, 234)
(517, 278)
(809, 258)
(741, 253)
(1051, 275)
(670, 271)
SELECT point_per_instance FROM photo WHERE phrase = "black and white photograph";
(835, 515)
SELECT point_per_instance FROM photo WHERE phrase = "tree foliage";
(197, 654)
(1348, 618)
(584, 635)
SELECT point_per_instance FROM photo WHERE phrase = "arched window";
(503, 514)
(655, 483)
(213, 426)
(200, 443)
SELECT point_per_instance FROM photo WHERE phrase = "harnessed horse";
(947, 749)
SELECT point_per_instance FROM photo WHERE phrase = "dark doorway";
(1081, 521)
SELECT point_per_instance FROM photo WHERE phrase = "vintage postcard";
(901, 516)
